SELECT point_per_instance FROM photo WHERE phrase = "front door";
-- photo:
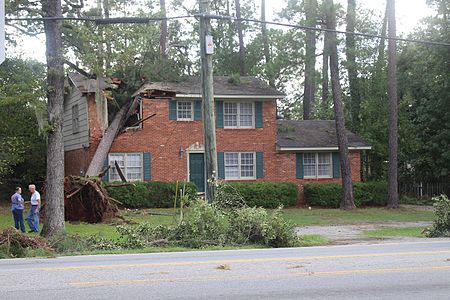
(197, 170)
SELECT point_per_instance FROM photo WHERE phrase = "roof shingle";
(312, 134)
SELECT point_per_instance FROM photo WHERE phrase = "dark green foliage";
(416, 201)
(266, 194)
(330, 194)
(151, 194)
(441, 225)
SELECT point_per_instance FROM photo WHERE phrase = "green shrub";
(441, 225)
(266, 194)
(330, 194)
(207, 224)
(151, 194)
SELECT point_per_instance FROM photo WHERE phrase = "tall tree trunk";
(393, 109)
(310, 58)
(101, 53)
(347, 202)
(325, 75)
(107, 41)
(242, 68)
(265, 39)
(163, 36)
(350, 50)
(54, 196)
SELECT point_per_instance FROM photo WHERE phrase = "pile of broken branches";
(12, 237)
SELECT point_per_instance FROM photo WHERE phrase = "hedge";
(330, 194)
(267, 194)
(150, 194)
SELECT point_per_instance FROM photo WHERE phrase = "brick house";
(252, 144)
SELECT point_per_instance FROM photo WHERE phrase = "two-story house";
(252, 144)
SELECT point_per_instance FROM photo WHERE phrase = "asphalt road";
(384, 271)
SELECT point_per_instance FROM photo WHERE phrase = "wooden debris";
(87, 200)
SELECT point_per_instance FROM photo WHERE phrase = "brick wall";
(164, 138)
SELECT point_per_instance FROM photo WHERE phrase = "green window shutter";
(105, 177)
(336, 165)
(172, 110)
(258, 114)
(147, 162)
(219, 114)
(221, 165)
(299, 165)
(259, 165)
(197, 110)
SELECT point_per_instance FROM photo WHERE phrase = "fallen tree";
(97, 163)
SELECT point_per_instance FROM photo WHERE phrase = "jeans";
(18, 219)
(33, 219)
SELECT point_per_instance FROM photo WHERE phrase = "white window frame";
(238, 115)
(140, 116)
(240, 177)
(192, 110)
(124, 169)
(316, 164)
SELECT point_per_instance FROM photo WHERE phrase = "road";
(384, 271)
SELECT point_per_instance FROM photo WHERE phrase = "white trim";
(232, 96)
(238, 115)
(239, 166)
(125, 154)
(192, 110)
(322, 148)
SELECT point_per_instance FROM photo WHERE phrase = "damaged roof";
(313, 134)
(223, 85)
(89, 85)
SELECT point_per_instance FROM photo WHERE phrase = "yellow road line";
(255, 260)
(254, 277)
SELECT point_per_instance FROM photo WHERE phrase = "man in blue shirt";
(17, 206)
(33, 215)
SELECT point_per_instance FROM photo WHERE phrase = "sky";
(409, 14)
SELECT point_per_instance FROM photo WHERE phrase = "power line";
(144, 20)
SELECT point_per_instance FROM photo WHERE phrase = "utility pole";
(209, 123)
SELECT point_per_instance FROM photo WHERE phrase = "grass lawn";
(322, 216)
(387, 232)
(299, 217)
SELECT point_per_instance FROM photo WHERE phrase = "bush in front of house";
(441, 224)
(151, 194)
(265, 194)
(330, 194)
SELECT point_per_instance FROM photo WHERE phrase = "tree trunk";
(310, 58)
(54, 196)
(242, 68)
(350, 50)
(265, 39)
(97, 163)
(163, 36)
(107, 41)
(325, 75)
(101, 53)
(347, 202)
(392, 95)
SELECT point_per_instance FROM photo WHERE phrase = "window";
(75, 119)
(130, 164)
(238, 115)
(317, 165)
(185, 111)
(239, 165)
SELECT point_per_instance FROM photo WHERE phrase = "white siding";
(75, 141)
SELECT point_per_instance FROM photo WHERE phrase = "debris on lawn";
(11, 237)
(86, 200)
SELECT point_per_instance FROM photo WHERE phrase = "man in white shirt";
(33, 215)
